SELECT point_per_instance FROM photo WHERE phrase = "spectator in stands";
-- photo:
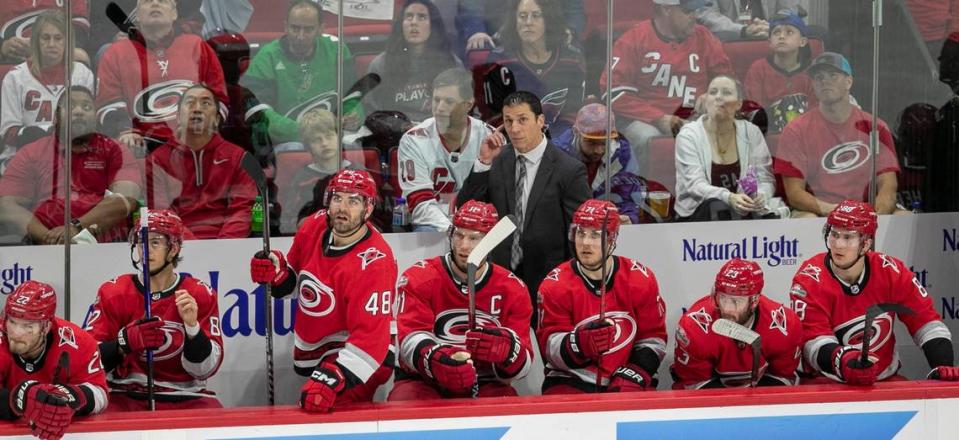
(779, 82)
(297, 73)
(723, 167)
(730, 19)
(416, 52)
(199, 175)
(935, 20)
(662, 66)
(105, 183)
(479, 24)
(15, 46)
(127, 96)
(435, 156)
(827, 149)
(534, 47)
(31, 89)
(225, 15)
(586, 141)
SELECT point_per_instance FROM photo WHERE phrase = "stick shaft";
(147, 298)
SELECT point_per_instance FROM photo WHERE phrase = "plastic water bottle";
(916, 207)
(135, 215)
(401, 214)
(256, 216)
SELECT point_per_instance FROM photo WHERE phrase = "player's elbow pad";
(938, 352)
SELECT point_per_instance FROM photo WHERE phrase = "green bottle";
(256, 224)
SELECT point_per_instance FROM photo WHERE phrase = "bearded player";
(704, 359)
(49, 368)
(183, 331)
(344, 274)
(440, 356)
(832, 290)
(629, 344)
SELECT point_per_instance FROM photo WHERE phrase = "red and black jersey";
(71, 358)
(704, 359)
(344, 297)
(559, 82)
(433, 306)
(18, 16)
(568, 300)
(833, 312)
(766, 83)
(177, 373)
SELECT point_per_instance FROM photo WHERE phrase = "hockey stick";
(500, 232)
(147, 297)
(362, 86)
(602, 294)
(737, 332)
(252, 167)
(871, 314)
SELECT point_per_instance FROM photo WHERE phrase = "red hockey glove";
(144, 334)
(43, 406)
(588, 342)
(946, 373)
(450, 372)
(848, 366)
(492, 344)
(629, 378)
(270, 268)
(320, 390)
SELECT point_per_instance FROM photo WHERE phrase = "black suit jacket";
(559, 188)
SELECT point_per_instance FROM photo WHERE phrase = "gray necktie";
(516, 252)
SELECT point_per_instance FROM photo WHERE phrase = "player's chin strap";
(598, 266)
(136, 265)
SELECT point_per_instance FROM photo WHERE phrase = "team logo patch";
(778, 320)
(368, 256)
(451, 325)
(67, 338)
(851, 332)
(553, 275)
(159, 102)
(811, 271)
(639, 267)
(19, 26)
(702, 319)
(845, 157)
(173, 337)
(625, 329)
(888, 261)
(324, 100)
(315, 298)
(403, 281)
(420, 264)
(797, 290)
(682, 337)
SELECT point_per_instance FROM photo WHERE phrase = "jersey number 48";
(379, 303)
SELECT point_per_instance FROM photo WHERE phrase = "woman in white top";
(31, 89)
(714, 152)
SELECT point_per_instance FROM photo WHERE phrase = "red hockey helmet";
(592, 213)
(162, 221)
(476, 216)
(739, 277)
(33, 301)
(853, 216)
(352, 181)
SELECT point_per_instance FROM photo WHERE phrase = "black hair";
(524, 97)
(436, 53)
(553, 21)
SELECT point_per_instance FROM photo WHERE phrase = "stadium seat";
(370, 159)
(662, 162)
(743, 53)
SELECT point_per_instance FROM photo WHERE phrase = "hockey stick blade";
(503, 229)
(362, 86)
(873, 312)
(119, 17)
(736, 332)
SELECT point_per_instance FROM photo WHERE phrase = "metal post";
(874, 128)
(340, 46)
(609, 94)
(65, 137)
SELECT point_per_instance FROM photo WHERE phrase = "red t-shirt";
(936, 19)
(766, 83)
(834, 159)
(18, 16)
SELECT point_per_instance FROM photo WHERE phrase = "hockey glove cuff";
(849, 368)
(144, 334)
(269, 268)
(628, 378)
(319, 392)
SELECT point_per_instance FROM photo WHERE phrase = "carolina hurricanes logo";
(888, 261)
(778, 320)
(315, 298)
(403, 281)
(553, 275)
(368, 256)
(68, 338)
(554, 102)
(639, 267)
(702, 319)
(451, 325)
(851, 332)
(811, 272)
(173, 337)
(20, 26)
(845, 157)
(323, 100)
(159, 102)
(625, 329)
(420, 264)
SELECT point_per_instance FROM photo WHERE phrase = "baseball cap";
(790, 19)
(689, 5)
(830, 59)
(591, 122)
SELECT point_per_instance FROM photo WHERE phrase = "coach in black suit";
(533, 180)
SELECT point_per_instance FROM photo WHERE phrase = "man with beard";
(435, 156)
(105, 181)
(705, 359)
(831, 292)
(343, 273)
(49, 368)
(199, 174)
(439, 354)
(627, 343)
(184, 331)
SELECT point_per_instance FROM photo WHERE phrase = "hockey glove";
(268, 268)
(320, 390)
(946, 373)
(588, 342)
(629, 378)
(498, 346)
(452, 374)
(43, 407)
(144, 334)
(848, 366)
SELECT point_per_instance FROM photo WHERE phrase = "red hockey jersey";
(568, 300)
(433, 306)
(120, 302)
(84, 368)
(142, 87)
(703, 357)
(18, 16)
(653, 77)
(832, 312)
(344, 299)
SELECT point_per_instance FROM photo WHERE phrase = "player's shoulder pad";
(811, 271)
(552, 278)
(372, 254)
(888, 263)
(197, 288)
(635, 268)
(416, 273)
(698, 318)
(69, 335)
(512, 280)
